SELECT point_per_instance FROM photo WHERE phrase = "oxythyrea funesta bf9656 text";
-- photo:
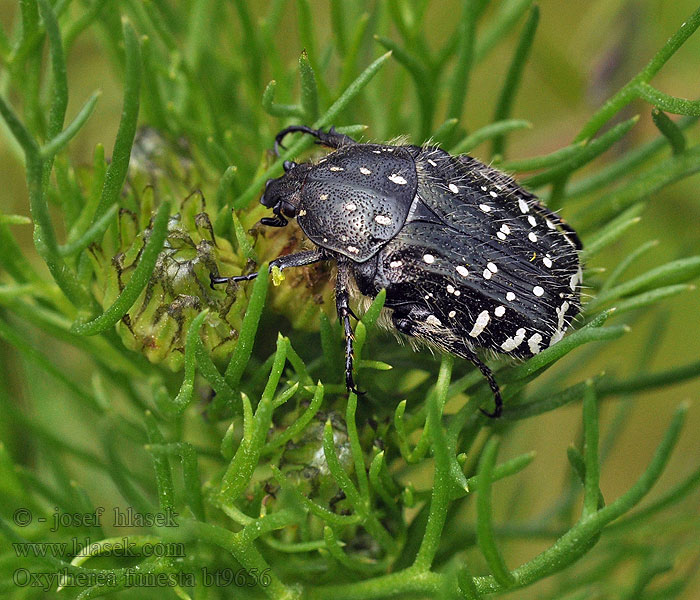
(469, 259)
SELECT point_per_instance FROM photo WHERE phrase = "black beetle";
(468, 258)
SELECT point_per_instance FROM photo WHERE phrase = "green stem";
(572, 544)
(139, 278)
(118, 167)
(631, 90)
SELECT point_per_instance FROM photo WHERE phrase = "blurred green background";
(583, 53)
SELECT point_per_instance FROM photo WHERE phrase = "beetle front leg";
(300, 259)
(331, 138)
(342, 303)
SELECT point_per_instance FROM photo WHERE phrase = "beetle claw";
(497, 412)
(216, 280)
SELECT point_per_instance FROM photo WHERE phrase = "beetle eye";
(267, 197)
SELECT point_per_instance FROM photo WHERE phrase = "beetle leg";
(409, 320)
(276, 221)
(332, 138)
(300, 259)
(488, 374)
(342, 303)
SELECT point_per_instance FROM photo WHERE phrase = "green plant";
(307, 492)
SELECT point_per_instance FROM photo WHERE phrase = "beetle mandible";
(469, 259)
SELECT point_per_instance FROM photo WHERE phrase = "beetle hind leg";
(416, 322)
(488, 374)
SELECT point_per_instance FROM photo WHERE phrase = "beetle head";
(282, 195)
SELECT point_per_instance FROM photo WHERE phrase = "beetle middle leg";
(300, 259)
(342, 303)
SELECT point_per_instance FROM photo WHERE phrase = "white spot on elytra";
(432, 162)
(382, 220)
(397, 179)
(534, 343)
(395, 264)
(485, 207)
(353, 249)
(501, 236)
(450, 289)
(365, 171)
(561, 314)
(302, 212)
(481, 322)
(377, 151)
(487, 274)
(510, 296)
(351, 206)
(493, 194)
(492, 267)
(453, 188)
(550, 224)
(323, 197)
(532, 237)
(457, 293)
(484, 188)
(428, 259)
(514, 342)
(462, 271)
(523, 205)
(337, 169)
(547, 262)
(532, 220)
(499, 311)
(433, 320)
(452, 313)
(556, 337)
(537, 290)
(505, 229)
(575, 278)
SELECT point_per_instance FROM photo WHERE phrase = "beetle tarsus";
(216, 280)
(342, 302)
(488, 374)
(332, 138)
